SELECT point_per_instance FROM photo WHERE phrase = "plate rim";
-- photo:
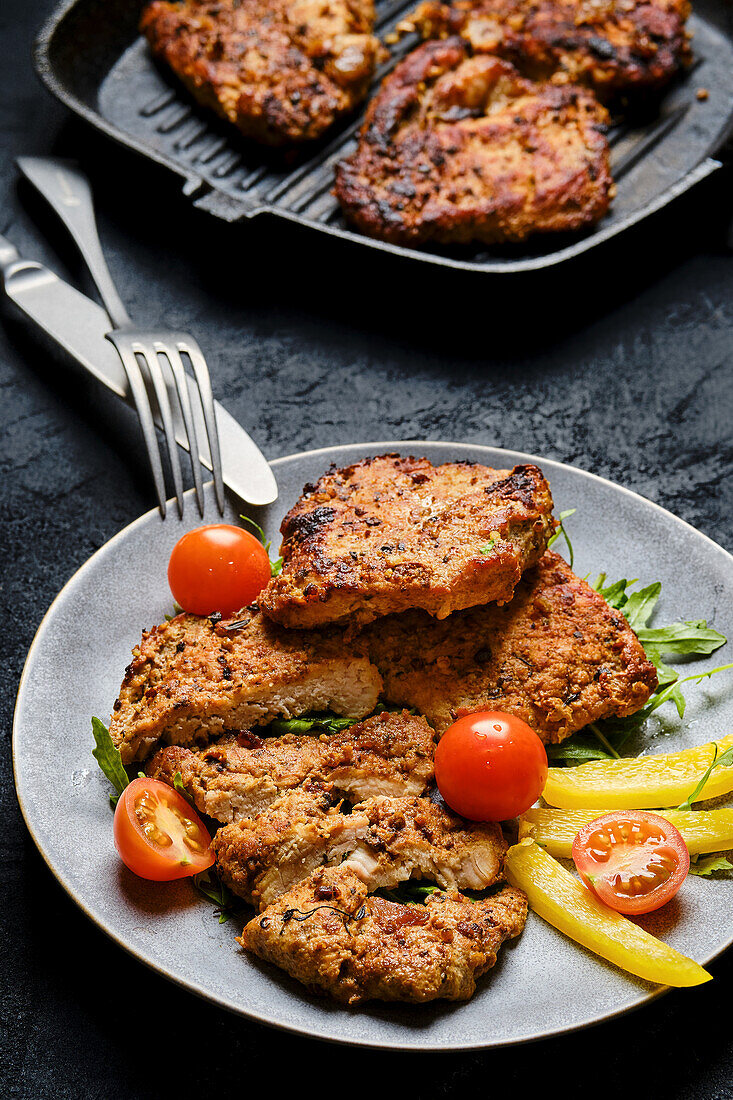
(222, 1002)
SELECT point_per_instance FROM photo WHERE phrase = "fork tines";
(154, 364)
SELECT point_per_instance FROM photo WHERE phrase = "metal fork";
(68, 192)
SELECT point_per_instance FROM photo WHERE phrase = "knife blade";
(79, 326)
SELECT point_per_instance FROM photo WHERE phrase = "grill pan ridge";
(90, 55)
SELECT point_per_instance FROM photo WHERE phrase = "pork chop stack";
(428, 587)
(458, 148)
(282, 71)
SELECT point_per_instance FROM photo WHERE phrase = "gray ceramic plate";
(543, 984)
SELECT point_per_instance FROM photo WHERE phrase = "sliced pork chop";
(192, 678)
(331, 936)
(557, 656)
(392, 533)
(385, 840)
(241, 774)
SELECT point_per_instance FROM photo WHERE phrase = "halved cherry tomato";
(158, 835)
(490, 766)
(633, 861)
(217, 568)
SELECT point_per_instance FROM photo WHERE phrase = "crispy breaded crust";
(457, 148)
(557, 656)
(385, 840)
(331, 936)
(193, 678)
(242, 774)
(392, 533)
(612, 46)
(281, 71)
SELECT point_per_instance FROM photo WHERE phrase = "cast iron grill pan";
(90, 55)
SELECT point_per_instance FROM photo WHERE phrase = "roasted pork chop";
(456, 148)
(557, 656)
(385, 840)
(613, 46)
(242, 774)
(282, 71)
(192, 678)
(391, 533)
(330, 935)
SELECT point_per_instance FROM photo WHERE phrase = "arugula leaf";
(560, 530)
(615, 594)
(723, 761)
(575, 750)
(639, 605)
(275, 566)
(108, 757)
(178, 785)
(711, 865)
(210, 885)
(690, 638)
(673, 692)
(321, 722)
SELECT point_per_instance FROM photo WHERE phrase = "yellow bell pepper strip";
(564, 902)
(555, 830)
(642, 782)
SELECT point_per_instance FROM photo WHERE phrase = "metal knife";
(79, 326)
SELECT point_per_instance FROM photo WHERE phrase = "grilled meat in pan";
(242, 774)
(282, 71)
(330, 935)
(456, 148)
(557, 656)
(613, 46)
(385, 840)
(193, 678)
(392, 533)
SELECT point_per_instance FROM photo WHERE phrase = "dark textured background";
(621, 365)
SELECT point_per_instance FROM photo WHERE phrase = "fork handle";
(67, 191)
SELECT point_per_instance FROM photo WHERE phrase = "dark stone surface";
(621, 365)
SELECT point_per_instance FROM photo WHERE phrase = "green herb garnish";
(560, 530)
(108, 757)
(210, 885)
(723, 761)
(489, 545)
(321, 722)
(178, 785)
(711, 865)
(277, 564)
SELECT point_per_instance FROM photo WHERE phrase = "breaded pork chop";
(330, 935)
(557, 656)
(281, 71)
(242, 774)
(456, 148)
(385, 840)
(192, 678)
(392, 533)
(612, 46)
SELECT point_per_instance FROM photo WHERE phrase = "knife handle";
(66, 189)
